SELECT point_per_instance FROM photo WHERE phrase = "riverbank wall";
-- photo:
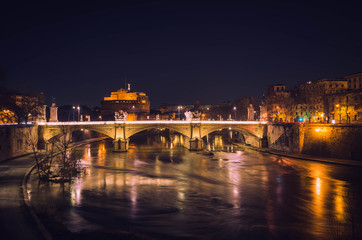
(342, 141)
(13, 140)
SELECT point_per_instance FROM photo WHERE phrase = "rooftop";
(352, 74)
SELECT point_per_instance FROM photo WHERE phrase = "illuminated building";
(136, 104)
(345, 107)
(311, 99)
(354, 80)
(300, 112)
(324, 100)
(277, 104)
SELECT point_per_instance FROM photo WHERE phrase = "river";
(172, 193)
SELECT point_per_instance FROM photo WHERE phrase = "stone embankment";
(343, 141)
(12, 141)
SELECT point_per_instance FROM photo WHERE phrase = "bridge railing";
(149, 122)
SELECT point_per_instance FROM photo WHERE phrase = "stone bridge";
(120, 131)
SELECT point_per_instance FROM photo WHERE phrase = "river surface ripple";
(177, 194)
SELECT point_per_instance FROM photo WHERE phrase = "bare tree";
(28, 106)
(30, 136)
(58, 162)
(68, 163)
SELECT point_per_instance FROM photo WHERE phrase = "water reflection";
(168, 193)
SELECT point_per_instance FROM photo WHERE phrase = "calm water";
(174, 193)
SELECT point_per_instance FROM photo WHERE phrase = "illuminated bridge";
(120, 131)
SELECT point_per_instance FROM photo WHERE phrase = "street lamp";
(338, 110)
(73, 112)
(78, 113)
(235, 113)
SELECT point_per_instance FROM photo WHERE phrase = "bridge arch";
(50, 133)
(183, 130)
(250, 137)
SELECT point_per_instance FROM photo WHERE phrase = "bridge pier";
(263, 142)
(120, 145)
(195, 144)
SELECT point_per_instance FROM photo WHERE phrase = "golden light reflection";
(328, 203)
(181, 195)
(76, 193)
(326, 190)
(235, 179)
(319, 196)
(157, 166)
(218, 141)
(132, 180)
(339, 202)
(318, 186)
(87, 153)
(176, 141)
(134, 194)
(101, 153)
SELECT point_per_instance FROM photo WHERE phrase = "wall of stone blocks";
(337, 141)
(326, 140)
(13, 140)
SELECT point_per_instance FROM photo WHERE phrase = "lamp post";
(339, 113)
(235, 113)
(78, 113)
(73, 112)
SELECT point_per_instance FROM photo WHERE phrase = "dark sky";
(176, 51)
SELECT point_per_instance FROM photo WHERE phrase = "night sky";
(177, 51)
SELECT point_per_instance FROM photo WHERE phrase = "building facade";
(277, 104)
(345, 107)
(354, 81)
(136, 104)
(330, 100)
(311, 97)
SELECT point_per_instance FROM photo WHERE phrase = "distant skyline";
(175, 52)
